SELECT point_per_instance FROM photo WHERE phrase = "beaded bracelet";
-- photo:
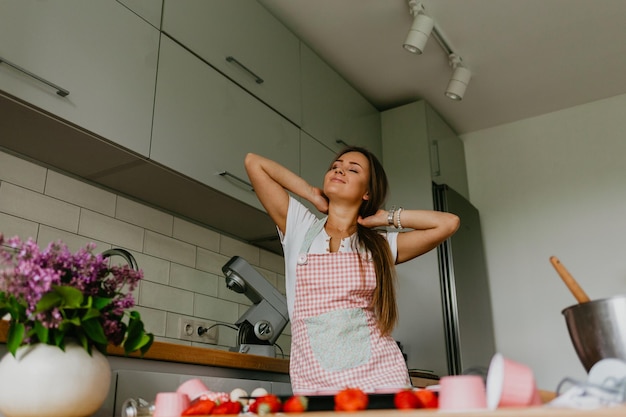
(390, 216)
(399, 224)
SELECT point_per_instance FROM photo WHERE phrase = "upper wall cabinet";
(447, 154)
(421, 148)
(92, 63)
(204, 125)
(245, 42)
(315, 159)
(333, 112)
(148, 9)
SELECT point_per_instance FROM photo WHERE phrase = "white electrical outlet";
(196, 331)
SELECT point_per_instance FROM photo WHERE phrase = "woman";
(339, 270)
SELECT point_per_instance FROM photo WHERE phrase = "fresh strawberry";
(265, 404)
(351, 399)
(200, 407)
(227, 407)
(427, 398)
(295, 404)
(406, 399)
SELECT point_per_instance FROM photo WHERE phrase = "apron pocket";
(339, 339)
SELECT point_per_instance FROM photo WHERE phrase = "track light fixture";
(459, 80)
(415, 42)
(420, 29)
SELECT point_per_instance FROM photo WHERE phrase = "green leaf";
(100, 302)
(94, 331)
(15, 336)
(42, 332)
(58, 336)
(90, 314)
(48, 301)
(136, 337)
(72, 297)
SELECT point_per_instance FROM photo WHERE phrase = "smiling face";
(348, 177)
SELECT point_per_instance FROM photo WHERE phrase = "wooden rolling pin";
(569, 280)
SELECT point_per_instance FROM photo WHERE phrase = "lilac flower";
(53, 293)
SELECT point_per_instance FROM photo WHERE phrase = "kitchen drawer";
(146, 385)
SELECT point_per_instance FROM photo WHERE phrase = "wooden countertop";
(170, 352)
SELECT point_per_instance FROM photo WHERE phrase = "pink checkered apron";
(335, 340)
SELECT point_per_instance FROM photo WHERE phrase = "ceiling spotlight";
(420, 29)
(459, 80)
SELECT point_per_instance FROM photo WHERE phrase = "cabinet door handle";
(236, 178)
(341, 142)
(60, 91)
(435, 169)
(257, 79)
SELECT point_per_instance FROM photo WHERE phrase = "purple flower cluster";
(28, 274)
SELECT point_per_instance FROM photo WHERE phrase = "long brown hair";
(384, 299)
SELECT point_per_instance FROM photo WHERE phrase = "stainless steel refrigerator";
(466, 300)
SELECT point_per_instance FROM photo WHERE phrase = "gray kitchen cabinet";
(333, 112)
(447, 153)
(244, 41)
(99, 53)
(151, 10)
(411, 163)
(129, 383)
(204, 125)
(315, 159)
(407, 164)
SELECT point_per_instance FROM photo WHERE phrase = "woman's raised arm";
(271, 181)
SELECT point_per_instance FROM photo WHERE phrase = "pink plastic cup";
(510, 384)
(462, 393)
(170, 404)
(193, 388)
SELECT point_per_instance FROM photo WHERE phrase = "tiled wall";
(182, 261)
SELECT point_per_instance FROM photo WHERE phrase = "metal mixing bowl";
(598, 329)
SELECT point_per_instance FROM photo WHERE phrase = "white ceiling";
(528, 57)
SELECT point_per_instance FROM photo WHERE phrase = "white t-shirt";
(299, 219)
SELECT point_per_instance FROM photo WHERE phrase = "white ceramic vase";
(43, 380)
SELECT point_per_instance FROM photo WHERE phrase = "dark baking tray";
(327, 402)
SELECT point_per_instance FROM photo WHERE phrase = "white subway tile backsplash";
(154, 269)
(37, 207)
(193, 280)
(231, 247)
(280, 284)
(74, 242)
(80, 193)
(108, 229)
(272, 261)
(181, 261)
(228, 336)
(22, 172)
(16, 226)
(153, 320)
(196, 235)
(210, 261)
(172, 324)
(215, 309)
(165, 298)
(171, 249)
(141, 215)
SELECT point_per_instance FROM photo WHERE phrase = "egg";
(258, 392)
(237, 393)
